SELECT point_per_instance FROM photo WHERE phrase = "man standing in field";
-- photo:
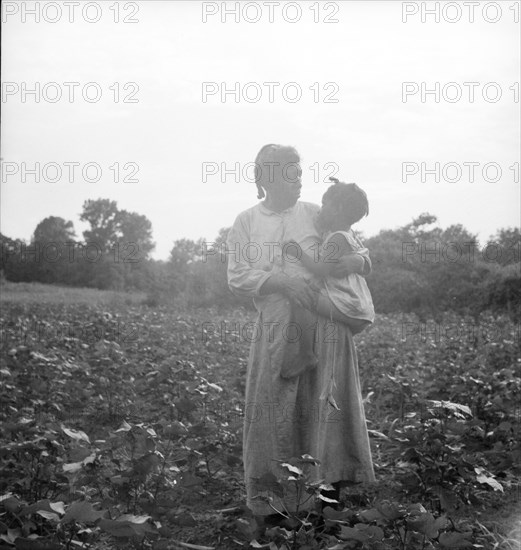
(287, 418)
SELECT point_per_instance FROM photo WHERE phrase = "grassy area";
(54, 294)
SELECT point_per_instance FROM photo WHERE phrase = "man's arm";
(243, 279)
(337, 260)
(297, 290)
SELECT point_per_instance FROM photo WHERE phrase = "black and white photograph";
(260, 275)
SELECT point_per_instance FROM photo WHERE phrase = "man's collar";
(269, 212)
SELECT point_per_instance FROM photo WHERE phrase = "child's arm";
(336, 250)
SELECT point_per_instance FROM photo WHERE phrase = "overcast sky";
(168, 133)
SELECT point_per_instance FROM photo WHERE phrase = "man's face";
(286, 175)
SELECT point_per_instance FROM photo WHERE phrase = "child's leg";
(326, 308)
(299, 355)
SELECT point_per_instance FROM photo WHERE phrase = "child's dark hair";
(350, 199)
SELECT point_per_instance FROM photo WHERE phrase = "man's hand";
(294, 288)
(299, 292)
(292, 249)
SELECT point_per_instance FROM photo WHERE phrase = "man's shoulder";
(249, 212)
(309, 206)
(302, 207)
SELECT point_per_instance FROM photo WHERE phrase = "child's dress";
(350, 295)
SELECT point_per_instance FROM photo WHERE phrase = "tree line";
(419, 267)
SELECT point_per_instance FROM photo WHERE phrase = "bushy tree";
(10, 265)
(103, 217)
(423, 268)
(54, 229)
(124, 240)
(54, 241)
(508, 245)
(183, 256)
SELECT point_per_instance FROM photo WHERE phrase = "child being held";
(346, 300)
